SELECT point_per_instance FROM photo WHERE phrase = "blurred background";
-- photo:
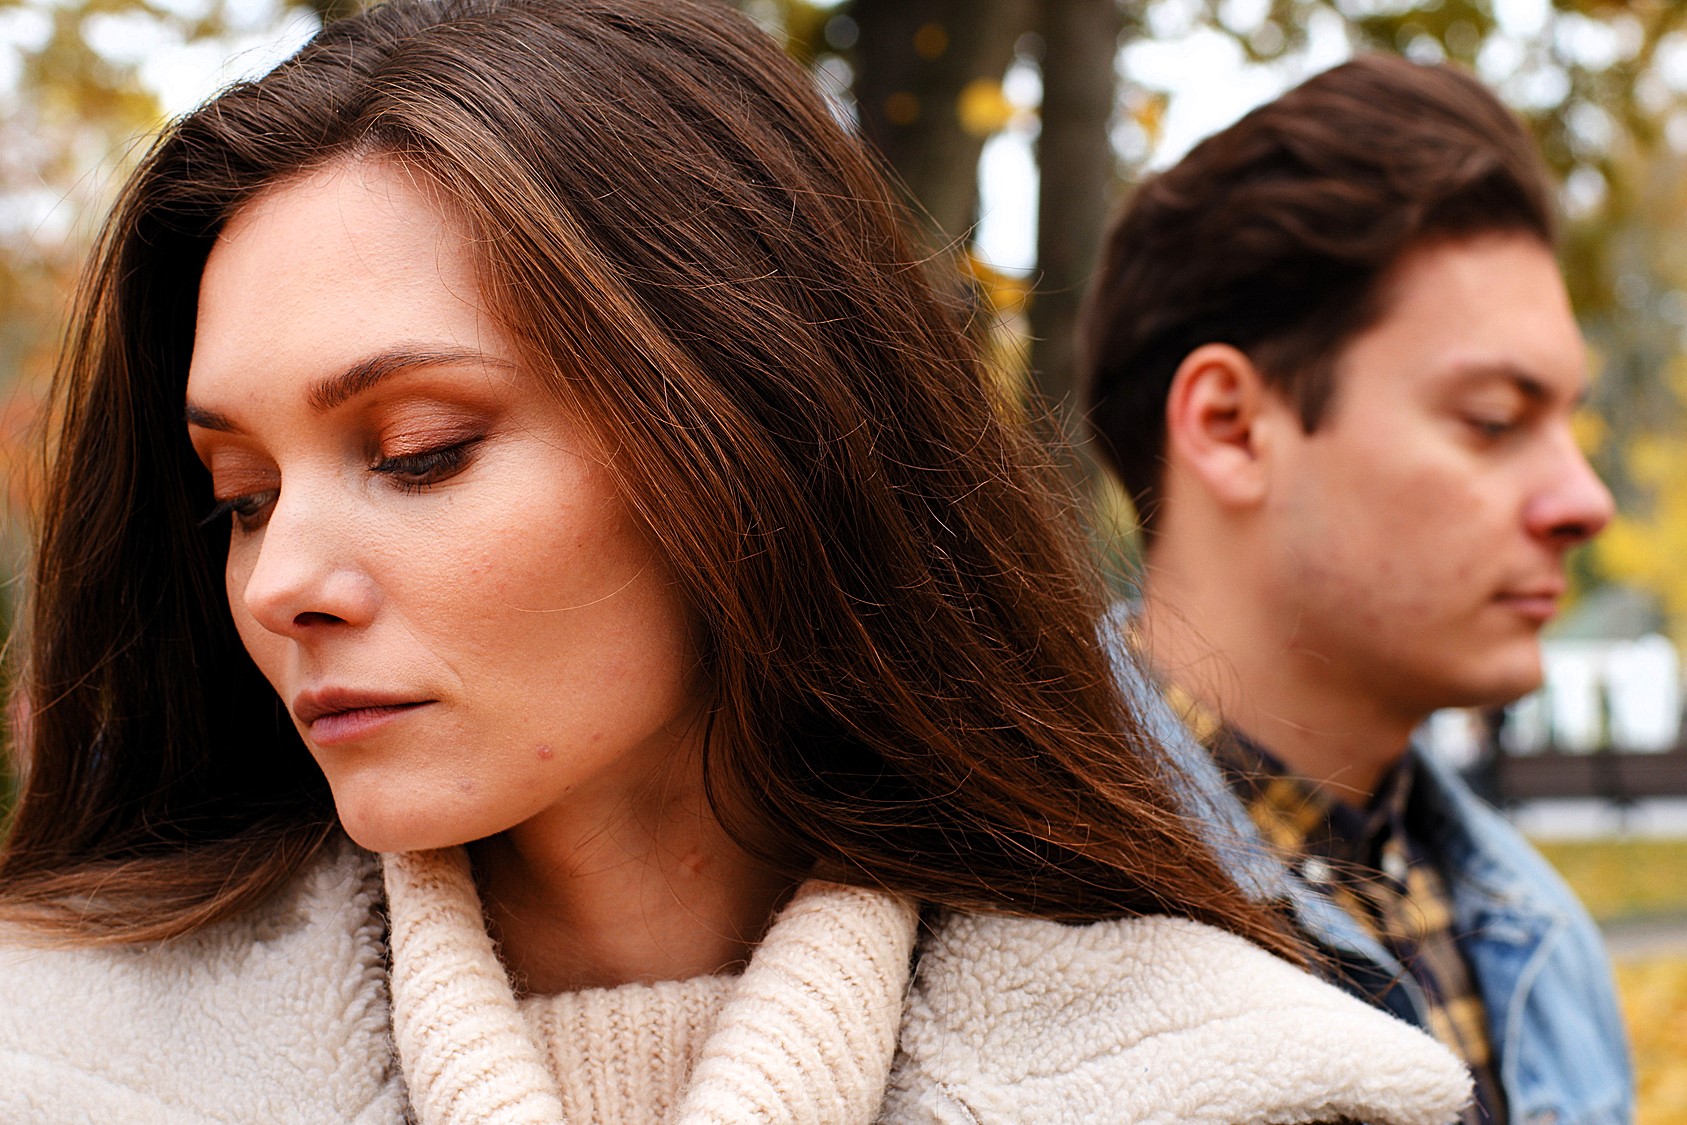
(1016, 125)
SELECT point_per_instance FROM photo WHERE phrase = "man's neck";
(1233, 658)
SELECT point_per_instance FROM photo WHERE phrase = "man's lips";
(1540, 604)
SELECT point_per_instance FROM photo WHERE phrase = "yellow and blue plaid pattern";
(1375, 864)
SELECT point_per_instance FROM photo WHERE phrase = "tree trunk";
(913, 60)
(1081, 40)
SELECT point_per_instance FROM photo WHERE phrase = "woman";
(618, 537)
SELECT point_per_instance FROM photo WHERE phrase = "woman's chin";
(410, 833)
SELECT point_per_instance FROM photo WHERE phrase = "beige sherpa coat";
(283, 1017)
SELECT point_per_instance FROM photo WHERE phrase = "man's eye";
(1490, 425)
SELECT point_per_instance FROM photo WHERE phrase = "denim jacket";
(1536, 955)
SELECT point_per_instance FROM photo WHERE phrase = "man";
(1331, 358)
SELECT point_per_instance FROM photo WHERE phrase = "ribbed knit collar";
(807, 1036)
(625, 1054)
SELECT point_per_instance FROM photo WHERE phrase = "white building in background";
(1622, 694)
(1456, 736)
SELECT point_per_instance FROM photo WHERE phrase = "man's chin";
(1473, 675)
(1495, 686)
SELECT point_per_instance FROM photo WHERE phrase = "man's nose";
(1573, 505)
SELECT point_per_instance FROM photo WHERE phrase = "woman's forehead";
(321, 272)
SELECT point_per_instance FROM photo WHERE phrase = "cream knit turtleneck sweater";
(625, 1054)
(806, 1034)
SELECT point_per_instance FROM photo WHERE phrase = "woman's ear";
(1214, 416)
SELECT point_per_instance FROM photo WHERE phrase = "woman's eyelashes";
(409, 472)
(249, 510)
(414, 472)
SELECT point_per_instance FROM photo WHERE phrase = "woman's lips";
(339, 716)
(360, 722)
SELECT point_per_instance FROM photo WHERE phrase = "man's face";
(1419, 533)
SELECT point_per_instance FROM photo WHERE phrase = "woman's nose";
(307, 572)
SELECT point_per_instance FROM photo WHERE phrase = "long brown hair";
(897, 612)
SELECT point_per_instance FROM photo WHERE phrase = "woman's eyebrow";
(358, 378)
(363, 375)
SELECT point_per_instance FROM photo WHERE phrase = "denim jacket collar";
(1535, 953)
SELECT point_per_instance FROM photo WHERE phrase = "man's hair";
(1277, 236)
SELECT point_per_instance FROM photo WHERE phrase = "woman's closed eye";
(414, 472)
(250, 510)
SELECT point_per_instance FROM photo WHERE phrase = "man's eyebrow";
(1531, 386)
(361, 376)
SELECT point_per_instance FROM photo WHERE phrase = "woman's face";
(428, 558)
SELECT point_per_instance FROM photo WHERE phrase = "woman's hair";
(895, 607)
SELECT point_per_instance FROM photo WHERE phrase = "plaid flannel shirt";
(1378, 870)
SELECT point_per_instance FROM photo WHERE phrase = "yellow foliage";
(1640, 552)
(983, 108)
(1629, 878)
(1645, 546)
(1653, 459)
(1647, 549)
(1002, 298)
(1148, 110)
(1005, 293)
(931, 40)
(1590, 430)
(1654, 1000)
(1622, 877)
(902, 108)
(1675, 374)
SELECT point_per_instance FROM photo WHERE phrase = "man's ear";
(1214, 416)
